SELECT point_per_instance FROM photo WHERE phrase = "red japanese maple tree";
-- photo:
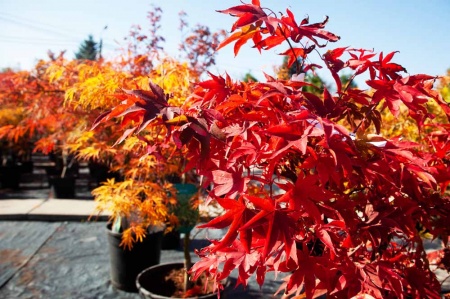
(337, 206)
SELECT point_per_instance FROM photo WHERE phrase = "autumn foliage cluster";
(51, 108)
(309, 186)
(334, 189)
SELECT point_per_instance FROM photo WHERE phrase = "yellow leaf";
(179, 120)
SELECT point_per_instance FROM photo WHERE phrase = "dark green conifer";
(88, 50)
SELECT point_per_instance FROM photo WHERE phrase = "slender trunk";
(187, 261)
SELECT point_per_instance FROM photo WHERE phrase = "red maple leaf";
(402, 90)
(246, 13)
(251, 17)
(388, 69)
(278, 225)
(362, 62)
(310, 31)
(235, 217)
(228, 183)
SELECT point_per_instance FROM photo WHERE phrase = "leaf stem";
(299, 66)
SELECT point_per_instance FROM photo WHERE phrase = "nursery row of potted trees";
(309, 186)
(47, 109)
(58, 100)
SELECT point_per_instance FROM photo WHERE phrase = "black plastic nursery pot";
(101, 173)
(126, 264)
(171, 240)
(152, 283)
(63, 187)
(10, 176)
(27, 166)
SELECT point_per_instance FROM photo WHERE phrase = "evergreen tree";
(89, 49)
(249, 78)
(345, 79)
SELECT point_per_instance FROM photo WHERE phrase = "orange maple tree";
(144, 197)
(59, 98)
(40, 96)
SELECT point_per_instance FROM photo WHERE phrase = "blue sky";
(418, 29)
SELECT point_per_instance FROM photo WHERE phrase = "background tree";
(249, 78)
(145, 45)
(89, 49)
(198, 44)
(347, 79)
(444, 86)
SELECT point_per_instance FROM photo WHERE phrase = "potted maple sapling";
(140, 199)
(139, 207)
(51, 120)
(343, 201)
(46, 123)
(164, 168)
(168, 162)
(18, 132)
(142, 203)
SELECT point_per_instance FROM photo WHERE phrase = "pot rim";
(144, 291)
